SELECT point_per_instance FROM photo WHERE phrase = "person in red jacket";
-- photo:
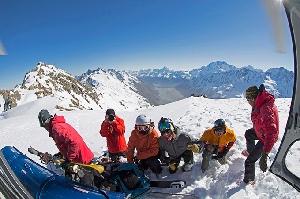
(67, 139)
(265, 129)
(113, 129)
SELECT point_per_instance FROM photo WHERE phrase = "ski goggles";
(164, 126)
(142, 127)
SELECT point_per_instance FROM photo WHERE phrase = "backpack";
(131, 181)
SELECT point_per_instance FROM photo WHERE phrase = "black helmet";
(219, 125)
(167, 121)
(44, 115)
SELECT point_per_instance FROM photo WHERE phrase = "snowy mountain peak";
(222, 80)
(216, 67)
(46, 80)
(122, 90)
(116, 87)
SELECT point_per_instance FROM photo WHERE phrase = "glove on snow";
(263, 161)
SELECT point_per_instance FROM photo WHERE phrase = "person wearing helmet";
(66, 138)
(113, 129)
(175, 145)
(218, 140)
(68, 141)
(144, 139)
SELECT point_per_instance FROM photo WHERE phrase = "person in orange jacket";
(113, 129)
(144, 139)
(218, 140)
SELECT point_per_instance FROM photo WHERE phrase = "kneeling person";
(68, 141)
(176, 145)
(218, 140)
(144, 139)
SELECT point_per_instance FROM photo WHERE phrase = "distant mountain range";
(221, 80)
(102, 89)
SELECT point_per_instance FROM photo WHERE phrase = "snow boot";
(187, 167)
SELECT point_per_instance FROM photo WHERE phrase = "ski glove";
(194, 148)
(57, 156)
(216, 149)
(172, 166)
(223, 153)
(263, 161)
(66, 164)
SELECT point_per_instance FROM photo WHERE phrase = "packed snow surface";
(20, 128)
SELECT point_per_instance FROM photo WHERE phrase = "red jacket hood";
(56, 119)
(263, 97)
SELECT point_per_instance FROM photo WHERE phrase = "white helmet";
(142, 120)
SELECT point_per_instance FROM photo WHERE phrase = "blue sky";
(136, 34)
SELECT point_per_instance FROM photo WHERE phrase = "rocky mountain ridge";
(101, 88)
(46, 80)
(220, 80)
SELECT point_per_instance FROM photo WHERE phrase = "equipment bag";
(131, 181)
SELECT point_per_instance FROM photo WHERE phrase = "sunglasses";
(164, 126)
(142, 128)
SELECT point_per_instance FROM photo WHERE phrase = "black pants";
(188, 158)
(152, 163)
(254, 151)
(115, 156)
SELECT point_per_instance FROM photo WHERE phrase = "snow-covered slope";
(48, 80)
(71, 94)
(116, 87)
(20, 128)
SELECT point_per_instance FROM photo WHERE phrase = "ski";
(47, 158)
(157, 195)
(168, 183)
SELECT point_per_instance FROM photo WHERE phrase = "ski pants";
(206, 155)
(152, 163)
(188, 158)
(254, 151)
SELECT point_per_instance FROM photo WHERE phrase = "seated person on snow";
(144, 139)
(218, 140)
(175, 145)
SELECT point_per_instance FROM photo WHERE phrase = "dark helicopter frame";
(292, 130)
